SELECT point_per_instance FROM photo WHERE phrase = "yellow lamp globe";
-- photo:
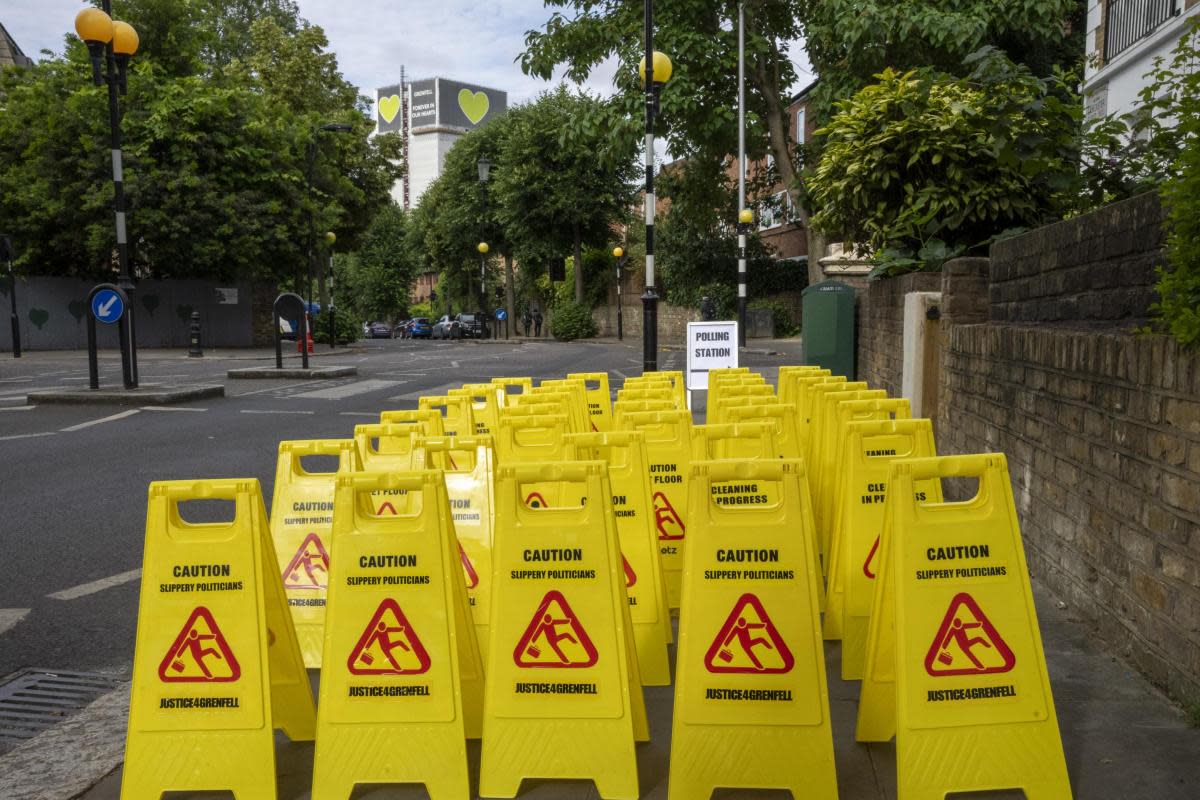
(745, 216)
(662, 68)
(125, 39)
(618, 252)
(330, 237)
(94, 26)
(482, 247)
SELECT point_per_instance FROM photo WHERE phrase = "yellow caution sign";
(576, 396)
(513, 386)
(802, 388)
(623, 407)
(786, 383)
(562, 696)
(845, 413)
(599, 399)
(386, 448)
(807, 412)
(625, 454)
(661, 392)
(457, 417)
(470, 485)
(781, 416)
(428, 422)
(719, 402)
(526, 437)
(668, 453)
(543, 401)
(485, 405)
(392, 704)
(216, 666)
(751, 708)
(301, 523)
(870, 449)
(969, 665)
(743, 440)
(822, 452)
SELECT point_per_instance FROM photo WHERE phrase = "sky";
(474, 41)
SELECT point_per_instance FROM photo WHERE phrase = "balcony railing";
(1127, 22)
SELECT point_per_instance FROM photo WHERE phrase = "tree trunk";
(767, 83)
(510, 297)
(578, 266)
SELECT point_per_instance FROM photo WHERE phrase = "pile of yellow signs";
(502, 563)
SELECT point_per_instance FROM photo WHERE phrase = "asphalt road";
(73, 479)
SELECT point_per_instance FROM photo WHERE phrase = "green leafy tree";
(921, 166)
(561, 187)
(374, 282)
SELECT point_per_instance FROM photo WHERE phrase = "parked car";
(419, 328)
(473, 326)
(447, 328)
(379, 330)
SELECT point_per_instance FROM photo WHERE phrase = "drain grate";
(36, 699)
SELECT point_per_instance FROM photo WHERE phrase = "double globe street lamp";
(111, 44)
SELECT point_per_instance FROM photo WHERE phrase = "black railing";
(1127, 22)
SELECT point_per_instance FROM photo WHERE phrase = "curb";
(268, 373)
(71, 757)
(152, 395)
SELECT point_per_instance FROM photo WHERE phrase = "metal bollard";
(194, 350)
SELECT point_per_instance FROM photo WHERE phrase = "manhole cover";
(36, 699)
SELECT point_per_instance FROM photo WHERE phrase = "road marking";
(172, 408)
(19, 408)
(273, 411)
(358, 414)
(454, 364)
(9, 617)
(84, 589)
(282, 388)
(27, 435)
(100, 421)
(16, 380)
(422, 392)
(348, 390)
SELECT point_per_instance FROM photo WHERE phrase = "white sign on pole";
(710, 345)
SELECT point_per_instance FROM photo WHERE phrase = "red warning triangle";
(630, 575)
(309, 568)
(869, 564)
(670, 526)
(555, 639)
(468, 568)
(388, 645)
(967, 643)
(386, 507)
(200, 653)
(535, 500)
(748, 643)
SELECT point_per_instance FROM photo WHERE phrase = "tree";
(922, 166)
(374, 283)
(560, 186)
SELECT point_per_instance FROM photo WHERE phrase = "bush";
(572, 321)
(348, 328)
(781, 314)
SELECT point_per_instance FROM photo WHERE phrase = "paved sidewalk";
(1123, 740)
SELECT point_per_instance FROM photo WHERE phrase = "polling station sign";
(710, 345)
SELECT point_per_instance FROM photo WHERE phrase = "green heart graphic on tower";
(474, 104)
(389, 107)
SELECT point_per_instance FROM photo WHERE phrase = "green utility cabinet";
(827, 326)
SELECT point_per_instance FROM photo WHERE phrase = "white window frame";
(801, 123)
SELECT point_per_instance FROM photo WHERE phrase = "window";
(1127, 22)
(776, 211)
(801, 122)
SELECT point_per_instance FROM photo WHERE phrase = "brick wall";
(672, 320)
(881, 327)
(1095, 270)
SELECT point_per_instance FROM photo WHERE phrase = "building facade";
(10, 53)
(1124, 37)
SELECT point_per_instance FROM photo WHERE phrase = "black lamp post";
(6, 255)
(484, 166)
(111, 43)
(619, 255)
(655, 70)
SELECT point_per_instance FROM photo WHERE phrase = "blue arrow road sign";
(107, 306)
(501, 314)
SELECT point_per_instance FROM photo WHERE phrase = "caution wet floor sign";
(216, 666)
(301, 523)
(969, 665)
(401, 665)
(751, 709)
(563, 693)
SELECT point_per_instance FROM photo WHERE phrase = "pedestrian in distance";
(708, 311)
(526, 320)
(537, 322)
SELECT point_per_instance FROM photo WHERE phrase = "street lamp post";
(655, 70)
(331, 239)
(745, 217)
(112, 43)
(619, 255)
(310, 166)
(484, 167)
(6, 255)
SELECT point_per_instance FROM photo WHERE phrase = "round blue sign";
(501, 314)
(108, 306)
